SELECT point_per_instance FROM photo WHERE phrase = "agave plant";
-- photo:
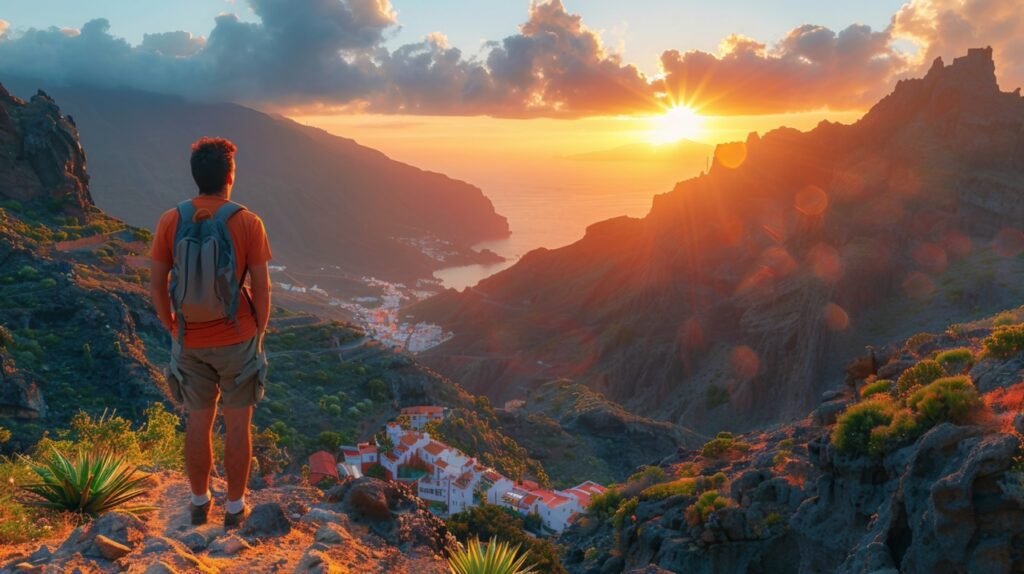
(93, 482)
(496, 558)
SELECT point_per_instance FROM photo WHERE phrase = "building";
(450, 481)
(322, 466)
(421, 415)
(362, 456)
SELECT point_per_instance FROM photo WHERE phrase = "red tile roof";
(410, 438)
(435, 448)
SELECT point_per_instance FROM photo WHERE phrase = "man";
(217, 350)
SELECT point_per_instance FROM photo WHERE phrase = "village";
(449, 480)
(379, 315)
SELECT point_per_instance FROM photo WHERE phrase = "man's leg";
(199, 449)
(237, 449)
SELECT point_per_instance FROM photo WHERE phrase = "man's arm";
(260, 277)
(158, 280)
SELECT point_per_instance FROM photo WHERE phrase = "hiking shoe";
(235, 520)
(200, 513)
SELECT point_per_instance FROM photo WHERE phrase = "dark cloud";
(173, 44)
(331, 54)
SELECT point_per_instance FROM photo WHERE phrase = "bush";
(492, 522)
(329, 440)
(919, 375)
(497, 558)
(684, 486)
(919, 340)
(648, 475)
(1005, 342)
(722, 445)
(91, 483)
(950, 399)
(710, 501)
(1005, 318)
(881, 386)
(904, 428)
(626, 509)
(955, 360)
(604, 505)
(852, 434)
(378, 390)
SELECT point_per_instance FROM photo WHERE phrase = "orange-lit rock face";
(745, 362)
(731, 155)
(811, 200)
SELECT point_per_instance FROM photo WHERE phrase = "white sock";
(235, 506)
(201, 499)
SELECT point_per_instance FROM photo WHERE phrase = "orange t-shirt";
(251, 248)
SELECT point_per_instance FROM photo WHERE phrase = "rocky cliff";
(731, 303)
(945, 498)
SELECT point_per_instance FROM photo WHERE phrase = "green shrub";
(921, 374)
(684, 486)
(497, 558)
(1005, 342)
(91, 483)
(648, 474)
(329, 440)
(604, 505)
(378, 390)
(722, 445)
(950, 399)
(710, 501)
(903, 428)
(955, 360)
(626, 509)
(1004, 319)
(919, 340)
(852, 434)
(881, 386)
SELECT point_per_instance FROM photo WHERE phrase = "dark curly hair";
(212, 162)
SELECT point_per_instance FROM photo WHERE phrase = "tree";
(330, 440)
(378, 390)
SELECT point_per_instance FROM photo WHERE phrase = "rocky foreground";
(363, 525)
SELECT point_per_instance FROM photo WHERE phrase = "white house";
(421, 415)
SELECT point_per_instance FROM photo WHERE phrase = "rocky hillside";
(935, 487)
(326, 200)
(77, 331)
(579, 435)
(731, 303)
(359, 526)
(73, 305)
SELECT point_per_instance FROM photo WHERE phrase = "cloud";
(947, 28)
(173, 44)
(331, 54)
(4, 25)
(812, 67)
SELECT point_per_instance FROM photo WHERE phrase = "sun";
(678, 123)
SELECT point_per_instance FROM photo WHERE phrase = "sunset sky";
(464, 86)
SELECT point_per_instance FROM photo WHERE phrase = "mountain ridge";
(777, 263)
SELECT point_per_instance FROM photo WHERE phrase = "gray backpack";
(203, 286)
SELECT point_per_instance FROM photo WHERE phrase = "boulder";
(110, 549)
(229, 545)
(266, 519)
(368, 499)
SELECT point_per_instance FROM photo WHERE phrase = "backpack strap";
(186, 211)
(221, 217)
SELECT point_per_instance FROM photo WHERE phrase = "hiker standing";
(203, 251)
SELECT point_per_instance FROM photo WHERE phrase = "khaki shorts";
(232, 373)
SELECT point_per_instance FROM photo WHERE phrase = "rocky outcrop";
(731, 303)
(41, 158)
(950, 501)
